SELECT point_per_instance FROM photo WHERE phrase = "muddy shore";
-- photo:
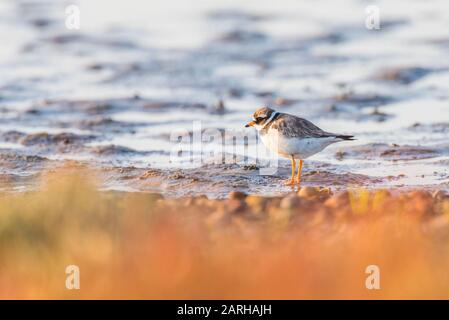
(112, 95)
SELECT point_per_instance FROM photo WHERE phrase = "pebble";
(314, 193)
(237, 195)
(308, 192)
(256, 203)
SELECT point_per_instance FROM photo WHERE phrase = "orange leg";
(291, 182)
(298, 179)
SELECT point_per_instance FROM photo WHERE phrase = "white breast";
(299, 148)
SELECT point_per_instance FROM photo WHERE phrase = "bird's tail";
(345, 137)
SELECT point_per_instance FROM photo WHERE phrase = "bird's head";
(261, 117)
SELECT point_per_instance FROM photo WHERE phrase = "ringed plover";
(292, 137)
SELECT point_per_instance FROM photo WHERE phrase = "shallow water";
(113, 93)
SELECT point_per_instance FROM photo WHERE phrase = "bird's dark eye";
(259, 119)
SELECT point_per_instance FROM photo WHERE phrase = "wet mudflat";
(117, 94)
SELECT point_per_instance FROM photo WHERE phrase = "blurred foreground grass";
(135, 245)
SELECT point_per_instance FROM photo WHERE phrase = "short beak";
(250, 124)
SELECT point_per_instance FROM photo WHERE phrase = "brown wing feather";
(293, 127)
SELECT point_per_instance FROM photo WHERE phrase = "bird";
(292, 137)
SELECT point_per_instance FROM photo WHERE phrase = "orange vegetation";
(136, 245)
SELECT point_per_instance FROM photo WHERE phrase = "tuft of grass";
(141, 246)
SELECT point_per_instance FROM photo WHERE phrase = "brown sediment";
(111, 150)
(47, 139)
(403, 75)
(12, 136)
(362, 100)
(215, 180)
(285, 102)
(242, 36)
(67, 39)
(108, 106)
(150, 105)
(375, 115)
(11, 160)
(339, 179)
(439, 127)
(222, 179)
(237, 15)
(87, 106)
(99, 122)
(388, 152)
(11, 181)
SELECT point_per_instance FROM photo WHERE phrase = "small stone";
(308, 192)
(220, 107)
(256, 203)
(326, 191)
(251, 167)
(239, 195)
(284, 102)
(314, 193)
(339, 155)
(177, 176)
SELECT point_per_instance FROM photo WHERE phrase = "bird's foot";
(290, 182)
